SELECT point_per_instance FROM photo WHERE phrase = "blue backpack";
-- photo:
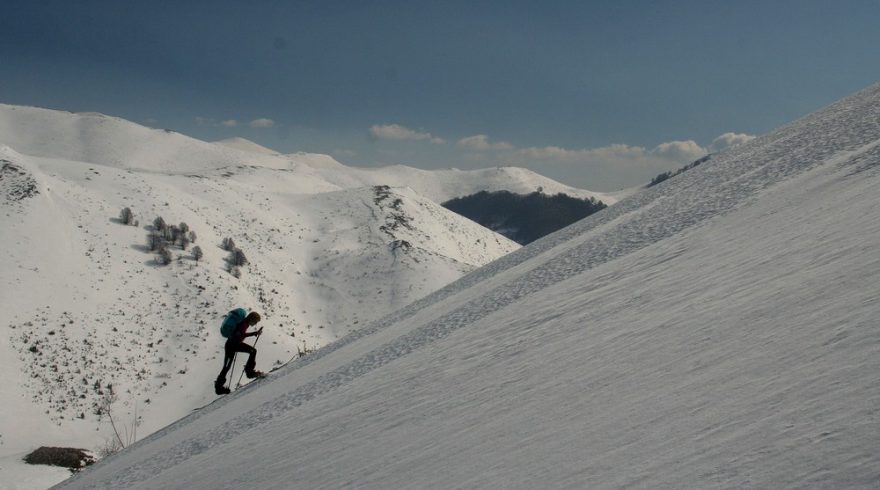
(232, 319)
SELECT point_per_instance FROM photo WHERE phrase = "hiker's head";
(253, 318)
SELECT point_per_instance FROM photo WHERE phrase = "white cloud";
(679, 151)
(672, 152)
(608, 167)
(727, 140)
(402, 133)
(611, 152)
(481, 142)
(227, 123)
(261, 123)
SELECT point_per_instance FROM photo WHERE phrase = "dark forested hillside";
(523, 217)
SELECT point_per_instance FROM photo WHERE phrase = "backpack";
(232, 319)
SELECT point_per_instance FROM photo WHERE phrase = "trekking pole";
(232, 370)
(242, 371)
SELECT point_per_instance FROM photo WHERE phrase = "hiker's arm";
(257, 332)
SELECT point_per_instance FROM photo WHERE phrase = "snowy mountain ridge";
(111, 141)
(715, 331)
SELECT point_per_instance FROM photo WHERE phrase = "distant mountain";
(443, 185)
(523, 218)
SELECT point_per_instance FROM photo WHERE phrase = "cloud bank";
(481, 142)
(619, 165)
(727, 140)
(664, 153)
(679, 151)
(402, 133)
(612, 166)
(233, 123)
(261, 123)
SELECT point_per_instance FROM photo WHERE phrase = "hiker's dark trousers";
(233, 346)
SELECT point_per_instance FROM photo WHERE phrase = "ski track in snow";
(731, 180)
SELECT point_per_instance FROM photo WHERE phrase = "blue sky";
(600, 95)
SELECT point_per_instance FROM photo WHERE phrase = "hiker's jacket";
(240, 331)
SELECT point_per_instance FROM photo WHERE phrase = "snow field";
(715, 331)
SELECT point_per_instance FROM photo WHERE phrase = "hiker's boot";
(219, 387)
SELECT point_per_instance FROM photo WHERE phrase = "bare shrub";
(159, 224)
(237, 258)
(128, 434)
(228, 244)
(154, 241)
(165, 256)
(126, 216)
(111, 446)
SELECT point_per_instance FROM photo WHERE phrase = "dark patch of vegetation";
(523, 217)
(15, 183)
(163, 236)
(672, 173)
(395, 217)
(67, 457)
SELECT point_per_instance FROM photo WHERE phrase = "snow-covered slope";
(246, 145)
(88, 306)
(716, 331)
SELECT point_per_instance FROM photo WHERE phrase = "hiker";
(234, 344)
